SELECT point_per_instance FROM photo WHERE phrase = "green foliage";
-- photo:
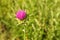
(42, 22)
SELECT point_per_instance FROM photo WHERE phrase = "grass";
(42, 22)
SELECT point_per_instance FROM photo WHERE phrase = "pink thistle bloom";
(21, 14)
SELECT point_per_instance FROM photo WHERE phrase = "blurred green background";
(42, 22)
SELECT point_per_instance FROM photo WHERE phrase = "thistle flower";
(21, 14)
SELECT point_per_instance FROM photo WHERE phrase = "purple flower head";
(21, 14)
